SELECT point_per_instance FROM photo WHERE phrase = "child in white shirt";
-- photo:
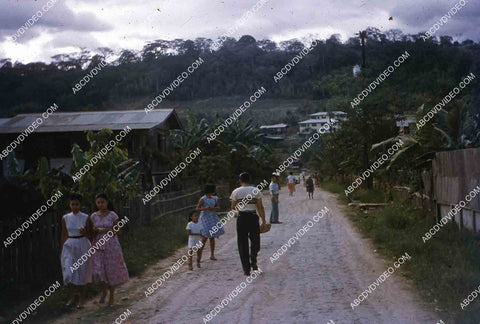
(194, 229)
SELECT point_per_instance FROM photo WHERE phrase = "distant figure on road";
(310, 187)
(291, 183)
(274, 192)
(247, 221)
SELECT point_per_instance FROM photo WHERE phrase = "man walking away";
(274, 192)
(247, 221)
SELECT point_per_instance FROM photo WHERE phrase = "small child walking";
(75, 244)
(208, 205)
(194, 230)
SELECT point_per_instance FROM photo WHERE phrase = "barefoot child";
(194, 229)
(207, 205)
(108, 265)
(74, 246)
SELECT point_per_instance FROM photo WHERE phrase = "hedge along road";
(314, 281)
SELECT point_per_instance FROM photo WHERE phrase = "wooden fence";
(454, 175)
(35, 255)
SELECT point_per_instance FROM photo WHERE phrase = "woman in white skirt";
(75, 244)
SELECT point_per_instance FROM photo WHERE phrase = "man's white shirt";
(241, 193)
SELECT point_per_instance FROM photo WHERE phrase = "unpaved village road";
(314, 281)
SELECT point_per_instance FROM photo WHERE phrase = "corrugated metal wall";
(456, 174)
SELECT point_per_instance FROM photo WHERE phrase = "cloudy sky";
(128, 24)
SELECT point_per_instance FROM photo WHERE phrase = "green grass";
(446, 268)
(147, 244)
(363, 195)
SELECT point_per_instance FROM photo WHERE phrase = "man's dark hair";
(291, 173)
(244, 177)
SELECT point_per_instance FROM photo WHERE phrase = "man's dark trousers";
(248, 227)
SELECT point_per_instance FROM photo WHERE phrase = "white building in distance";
(319, 119)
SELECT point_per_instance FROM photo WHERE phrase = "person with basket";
(247, 221)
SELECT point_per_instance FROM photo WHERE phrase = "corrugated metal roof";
(325, 113)
(4, 120)
(91, 120)
(322, 113)
(314, 121)
(273, 126)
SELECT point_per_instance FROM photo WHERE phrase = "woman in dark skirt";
(310, 187)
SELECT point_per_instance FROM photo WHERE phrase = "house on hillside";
(274, 132)
(406, 124)
(54, 137)
(320, 119)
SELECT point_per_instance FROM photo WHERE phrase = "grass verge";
(446, 268)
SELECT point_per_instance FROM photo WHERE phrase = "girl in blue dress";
(208, 205)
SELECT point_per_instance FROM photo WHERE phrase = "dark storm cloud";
(14, 14)
(72, 24)
(421, 15)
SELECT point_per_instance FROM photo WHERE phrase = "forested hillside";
(132, 79)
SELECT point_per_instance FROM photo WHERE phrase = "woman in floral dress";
(208, 205)
(108, 265)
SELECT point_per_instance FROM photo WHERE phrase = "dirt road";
(314, 281)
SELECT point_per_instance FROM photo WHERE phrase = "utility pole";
(363, 34)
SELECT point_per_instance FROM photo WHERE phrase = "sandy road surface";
(313, 282)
